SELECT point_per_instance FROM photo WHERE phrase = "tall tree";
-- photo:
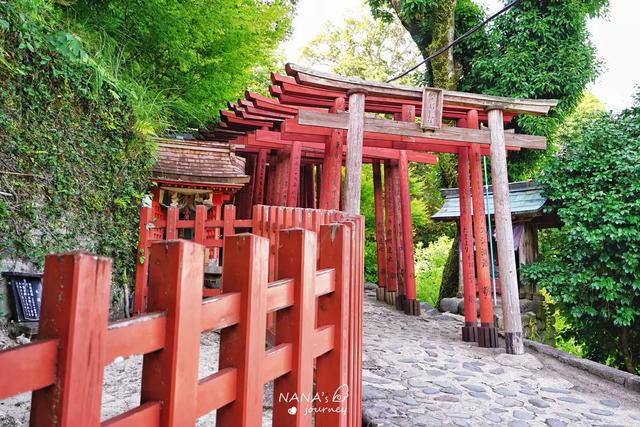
(539, 49)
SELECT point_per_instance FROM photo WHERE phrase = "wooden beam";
(504, 237)
(443, 135)
(355, 137)
(313, 78)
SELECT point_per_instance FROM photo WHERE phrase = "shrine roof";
(525, 197)
(198, 163)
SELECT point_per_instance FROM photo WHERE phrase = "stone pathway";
(418, 372)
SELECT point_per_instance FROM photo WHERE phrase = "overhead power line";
(458, 40)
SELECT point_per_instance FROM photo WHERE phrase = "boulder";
(450, 304)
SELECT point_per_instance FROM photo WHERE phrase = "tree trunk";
(629, 364)
(443, 67)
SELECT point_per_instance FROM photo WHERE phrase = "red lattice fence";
(315, 293)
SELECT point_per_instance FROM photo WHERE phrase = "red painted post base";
(400, 299)
(412, 307)
(380, 294)
(390, 297)
(488, 336)
(470, 332)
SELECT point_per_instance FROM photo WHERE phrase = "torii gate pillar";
(504, 236)
(355, 138)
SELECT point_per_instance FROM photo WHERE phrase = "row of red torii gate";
(305, 145)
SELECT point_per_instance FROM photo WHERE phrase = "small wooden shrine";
(527, 215)
(190, 173)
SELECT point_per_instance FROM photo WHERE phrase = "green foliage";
(430, 263)
(73, 170)
(539, 49)
(593, 270)
(181, 60)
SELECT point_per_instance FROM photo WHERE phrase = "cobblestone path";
(418, 372)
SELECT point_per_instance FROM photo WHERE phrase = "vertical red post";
(296, 325)
(170, 375)
(488, 334)
(411, 304)
(333, 309)
(142, 260)
(390, 214)
(270, 182)
(75, 309)
(228, 224)
(470, 328)
(198, 225)
(332, 164)
(171, 232)
(380, 237)
(217, 232)
(399, 237)
(279, 184)
(318, 186)
(246, 263)
(260, 176)
(293, 181)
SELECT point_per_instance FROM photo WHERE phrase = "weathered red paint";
(381, 251)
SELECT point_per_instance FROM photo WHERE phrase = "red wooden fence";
(316, 294)
(268, 221)
(156, 226)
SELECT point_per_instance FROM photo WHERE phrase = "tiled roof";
(525, 197)
(198, 162)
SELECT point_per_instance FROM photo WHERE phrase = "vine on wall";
(72, 170)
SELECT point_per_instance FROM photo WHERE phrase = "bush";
(430, 262)
(593, 271)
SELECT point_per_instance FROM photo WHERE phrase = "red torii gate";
(297, 141)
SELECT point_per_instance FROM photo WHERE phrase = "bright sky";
(614, 37)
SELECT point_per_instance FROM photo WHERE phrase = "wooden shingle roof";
(198, 163)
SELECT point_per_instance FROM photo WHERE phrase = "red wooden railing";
(156, 225)
(316, 294)
(268, 221)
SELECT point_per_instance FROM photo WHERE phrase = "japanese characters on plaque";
(26, 292)
(432, 104)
